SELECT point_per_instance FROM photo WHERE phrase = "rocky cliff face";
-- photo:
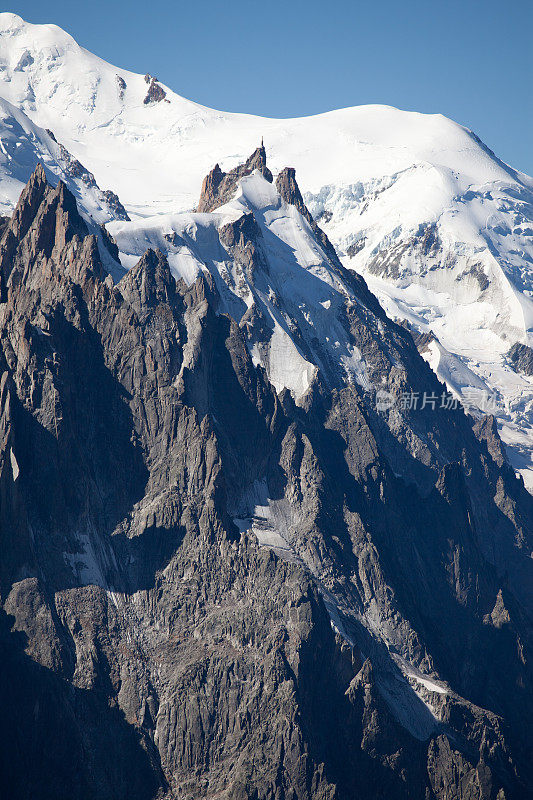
(155, 92)
(415, 203)
(218, 187)
(521, 358)
(213, 589)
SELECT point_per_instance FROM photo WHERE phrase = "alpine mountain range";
(266, 447)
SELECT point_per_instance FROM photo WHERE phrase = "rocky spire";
(29, 202)
(149, 283)
(258, 160)
(210, 189)
(219, 187)
(167, 650)
(40, 235)
(290, 192)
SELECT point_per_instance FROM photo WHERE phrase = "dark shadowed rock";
(521, 357)
(155, 92)
(121, 85)
(151, 649)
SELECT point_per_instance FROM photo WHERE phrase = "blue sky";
(470, 60)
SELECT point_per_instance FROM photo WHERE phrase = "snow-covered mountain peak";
(12, 24)
(23, 145)
(440, 227)
(272, 275)
(44, 71)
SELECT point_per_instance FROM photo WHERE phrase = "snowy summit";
(440, 228)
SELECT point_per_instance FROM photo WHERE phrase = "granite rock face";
(219, 187)
(521, 357)
(155, 92)
(150, 646)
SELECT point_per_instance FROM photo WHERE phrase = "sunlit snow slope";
(439, 226)
(23, 145)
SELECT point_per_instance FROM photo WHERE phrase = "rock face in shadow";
(150, 647)
(521, 357)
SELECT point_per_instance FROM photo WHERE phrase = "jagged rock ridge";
(219, 187)
(404, 197)
(179, 657)
(74, 169)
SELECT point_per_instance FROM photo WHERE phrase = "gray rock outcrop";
(150, 648)
(218, 187)
(521, 357)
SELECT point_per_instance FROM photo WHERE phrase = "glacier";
(440, 228)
